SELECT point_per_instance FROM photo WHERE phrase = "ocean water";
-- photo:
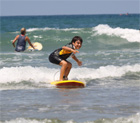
(111, 69)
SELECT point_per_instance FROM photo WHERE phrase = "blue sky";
(67, 7)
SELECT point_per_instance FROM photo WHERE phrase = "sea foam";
(44, 74)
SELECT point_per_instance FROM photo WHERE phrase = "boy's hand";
(75, 51)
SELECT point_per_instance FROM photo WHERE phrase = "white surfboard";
(37, 45)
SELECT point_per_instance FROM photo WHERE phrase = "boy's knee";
(64, 63)
(67, 64)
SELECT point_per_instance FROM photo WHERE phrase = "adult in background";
(21, 41)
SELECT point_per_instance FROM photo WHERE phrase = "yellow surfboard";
(37, 45)
(69, 84)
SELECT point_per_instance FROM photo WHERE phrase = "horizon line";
(70, 14)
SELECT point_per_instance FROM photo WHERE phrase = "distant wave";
(44, 74)
(47, 28)
(131, 35)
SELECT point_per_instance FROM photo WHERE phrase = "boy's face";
(77, 44)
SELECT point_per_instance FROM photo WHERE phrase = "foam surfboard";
(37, 45)
(68, 84)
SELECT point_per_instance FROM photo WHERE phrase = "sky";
(67, 7)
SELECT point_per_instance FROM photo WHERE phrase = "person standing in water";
(60, 55)
(21, 41)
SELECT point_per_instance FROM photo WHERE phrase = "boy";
(60, 55)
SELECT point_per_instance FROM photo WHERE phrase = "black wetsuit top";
(21, 44)
(60, 54)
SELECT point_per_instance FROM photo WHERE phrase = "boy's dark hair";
(76, 38)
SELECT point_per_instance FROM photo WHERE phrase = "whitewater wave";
(131, 35)
(131, 119)
(44, 74)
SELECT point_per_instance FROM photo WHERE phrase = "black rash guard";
(60, 54)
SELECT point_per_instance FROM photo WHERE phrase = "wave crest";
(131, 35)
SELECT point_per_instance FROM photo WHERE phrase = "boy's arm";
(77, 60)
(70, 49)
